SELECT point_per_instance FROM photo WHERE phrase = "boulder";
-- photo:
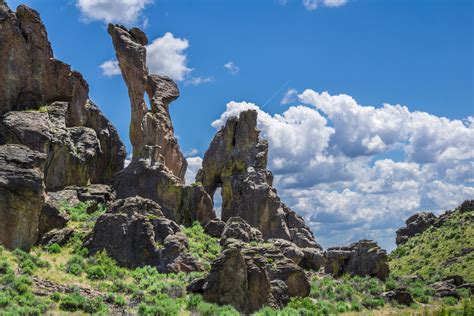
(248, 278)
(399, 295)
(22, 195)
(214, 228)
(44, 105)
(57, 236)
(363, 258)
(445, 288)
(415, 224)
(135, 233)
(236, 161)
(237, 228)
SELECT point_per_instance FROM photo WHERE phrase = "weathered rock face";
(81, 145)
(150, 179)
(152, 128)
(251, 277)
(237, 228)
(416, 224)
(135, 233)
(236, 161)
(363, 258)
(75, 155)
(399, 295)
(21, 195)
(158, 166)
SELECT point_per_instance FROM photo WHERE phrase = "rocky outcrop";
(150, 128)
(415, 224)
(56, 236)
(236, 161)
(44, 105)
(158, 166)
(214, 228)
(135, 233)
(152, 180)
(363, 258)
(237, 228)
(22, 195)
(400, 295)
(251, 277)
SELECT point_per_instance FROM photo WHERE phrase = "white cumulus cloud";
(166, 56)
(110, 68)
(112, 11)
(333, 161)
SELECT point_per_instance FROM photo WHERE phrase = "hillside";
(81, 232)
(442, 250)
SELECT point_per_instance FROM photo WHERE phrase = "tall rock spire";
(151, 130)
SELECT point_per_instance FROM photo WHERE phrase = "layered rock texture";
(362, 258)
(158, 166)
(44, 105)
(21, 195)
(249, 277)
(135, 233)
(416, 224)
(236, 161)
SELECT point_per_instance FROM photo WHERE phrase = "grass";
(432, 254)
(145, 291)
(201, 245)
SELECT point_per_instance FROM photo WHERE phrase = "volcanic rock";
(45, 106)
(22, 195)
(214, 228)
(400, 295)
(158, 165)
(148, 127)
(236, 161)
(57, 236)
(416, 224)
(135, 233)
(237, 228)
(363, 258)
(251, 277)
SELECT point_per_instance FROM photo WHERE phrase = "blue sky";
(417, 54)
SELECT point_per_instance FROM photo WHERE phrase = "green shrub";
(75, 265)
(96, 272)
(29, 263)
(450, 301)
(202, 245)
(76, 302)
(54, 248)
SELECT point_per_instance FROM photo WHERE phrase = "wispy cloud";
(312, 5)
(289, 96)
(232, 68)
(196, 81)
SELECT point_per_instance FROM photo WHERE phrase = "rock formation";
(236, 161)
(237, 228)
(21, 195)
(158, 166)
(150, 128)
(363, 258)
(419, 222)
(135, 233)
(250, 277)
(416, 224)
(45, 106)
